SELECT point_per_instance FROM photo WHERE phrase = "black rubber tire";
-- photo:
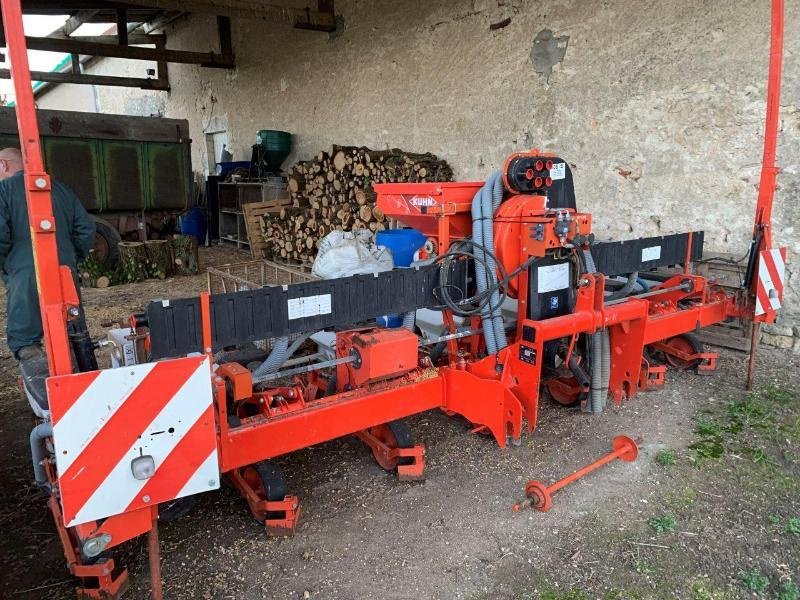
(106, 237)
(403, 439)
(175, 509)
(697, 348)
(272, 479)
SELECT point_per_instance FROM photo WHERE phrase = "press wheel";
(267, 480)
(688, 344)
(395, 434)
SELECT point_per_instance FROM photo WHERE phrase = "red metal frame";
(494, 393)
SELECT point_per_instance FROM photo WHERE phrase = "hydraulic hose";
(38, 454)
(626, 289)
(578, 371)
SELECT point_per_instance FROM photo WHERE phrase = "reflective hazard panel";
(771, 280)
(133, 437)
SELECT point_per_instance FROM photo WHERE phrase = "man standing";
(74, 238)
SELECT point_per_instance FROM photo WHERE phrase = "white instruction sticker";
(652, 253)
(559, 171)
(310, 306)
(553, 277)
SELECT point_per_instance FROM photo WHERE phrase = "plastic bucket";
(403, 243)
(193, 222)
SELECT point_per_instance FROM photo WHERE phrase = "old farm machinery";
(514, 296)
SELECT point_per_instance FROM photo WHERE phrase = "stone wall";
(659, 105)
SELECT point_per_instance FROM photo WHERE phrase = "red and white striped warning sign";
(132, 437)
(771, 279)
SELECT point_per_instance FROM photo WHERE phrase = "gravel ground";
(706, 512)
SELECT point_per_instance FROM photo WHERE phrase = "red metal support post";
(762, 228)
(49, 276)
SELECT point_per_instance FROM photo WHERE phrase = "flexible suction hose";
(38, 436)
(495, 304)
(484, 204)
(601, 354)
(481, 275)
(410, 320)
(278, 356)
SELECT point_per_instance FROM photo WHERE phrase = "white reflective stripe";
(205, 474)
(93, 409)
(780, 266)
(181, 413)
(759, 308)
(768, 285)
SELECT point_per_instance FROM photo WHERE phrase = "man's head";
(10, 162)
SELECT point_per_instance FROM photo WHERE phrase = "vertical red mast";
(54, 285)
(769, 172)
(762, 228)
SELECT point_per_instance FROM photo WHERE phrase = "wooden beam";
(68, 6)
(122, 27)
(269, 11)
(57, 77)
(70, 46)
(134, 39)
(71, 25)
(162, 21)
(225, 38)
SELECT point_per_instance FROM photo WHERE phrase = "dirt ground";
(710, 510)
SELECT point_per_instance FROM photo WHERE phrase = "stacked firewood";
(334, 191)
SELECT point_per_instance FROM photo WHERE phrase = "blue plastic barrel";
(193, 222)
(403, 243)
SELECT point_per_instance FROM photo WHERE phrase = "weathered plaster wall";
(659, 105)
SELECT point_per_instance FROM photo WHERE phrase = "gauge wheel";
(267, 479)
(394, 434)
(687, 343)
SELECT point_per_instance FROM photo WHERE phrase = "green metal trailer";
(134, 174)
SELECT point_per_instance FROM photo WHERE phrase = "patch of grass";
(754, 580)
(787, 590)
(570, 594)
(750, 411)
(793, 526)
(756, 410)
(775, 394)
(701, 592)
(663, 524)
(681, 500)
(757, 455)
(665, 457)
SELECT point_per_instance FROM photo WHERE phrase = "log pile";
(334, 191)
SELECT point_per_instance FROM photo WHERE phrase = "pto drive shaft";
(539, 496)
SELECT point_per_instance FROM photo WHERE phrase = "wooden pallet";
(253, 213)
(734, 334)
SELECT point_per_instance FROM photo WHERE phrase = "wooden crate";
(255, 274)
(735, 334)
(253, 213)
